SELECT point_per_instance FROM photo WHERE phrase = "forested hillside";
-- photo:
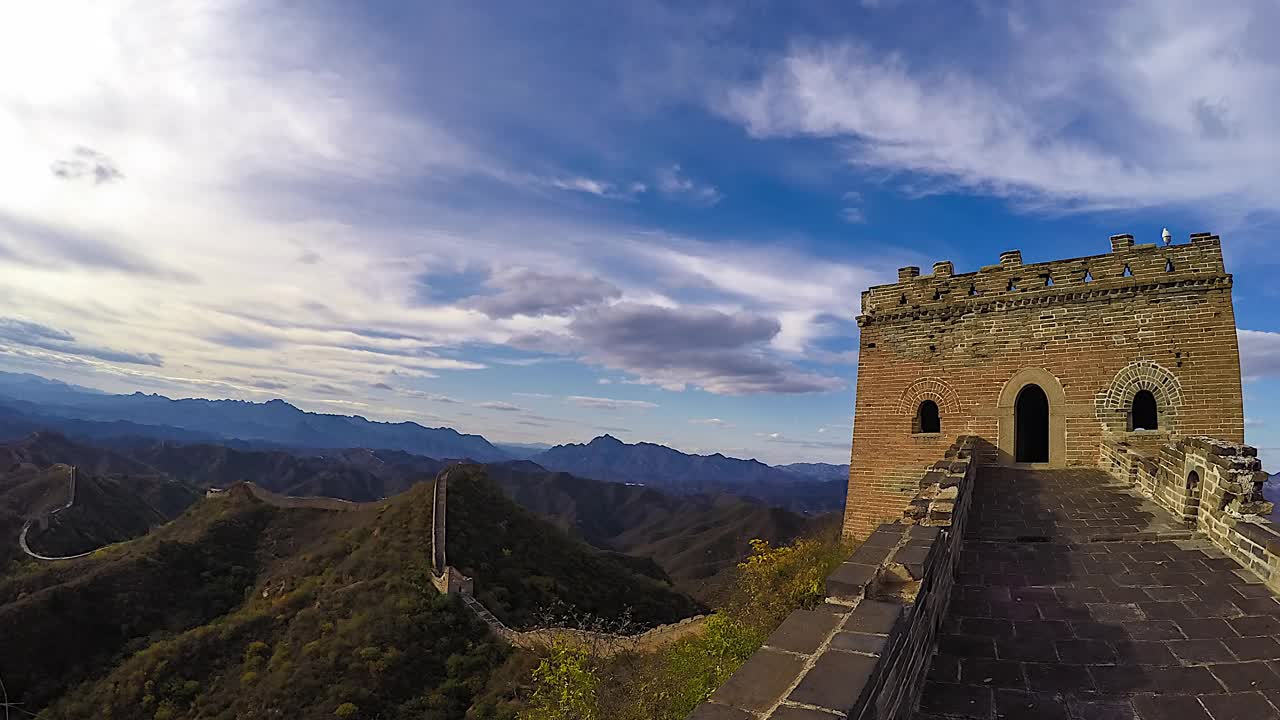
(239, 609)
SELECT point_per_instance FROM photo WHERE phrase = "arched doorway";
(1031, 430)
(1144, 415)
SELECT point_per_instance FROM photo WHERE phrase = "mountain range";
(608, 458)
(129, 485)
(272, 422)
(30, 403)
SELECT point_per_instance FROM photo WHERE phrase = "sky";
(546, 221)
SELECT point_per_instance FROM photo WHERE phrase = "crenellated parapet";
(1213, 485)
(1127, 268)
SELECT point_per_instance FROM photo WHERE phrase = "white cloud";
(1139, 104)
(501, 406)
(1259, 354)
(599, 188)
(717, 422)
(610, 403)
(672, 181)
(852, 212)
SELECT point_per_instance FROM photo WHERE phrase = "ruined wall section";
(1091, 331)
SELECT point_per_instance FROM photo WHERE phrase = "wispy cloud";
(501, 406)
(673, 182)
(87, 164)
(1180, 119)
(609, 403)
(24, 332)
(1259, 354)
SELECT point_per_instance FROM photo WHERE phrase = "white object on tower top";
(1166, 236)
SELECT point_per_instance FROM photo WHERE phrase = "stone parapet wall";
(313, 503)
(864, 652)
(1012, 281)
(1212, 484)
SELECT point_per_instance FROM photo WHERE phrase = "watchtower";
(1043, 361)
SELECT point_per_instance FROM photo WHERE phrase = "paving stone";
(944, 669)
(797, 713)
(1207, 628)
(1254, 626)
(1145, 653)
(1027, 649)
(712, 711)
(1085, 651)
(953, 700)
(761, 681)
(1238, 706)
(1156, 630)
(859, 642)
(1253, 648)
(1090, 709)
(1195, 680)
(1021, 705)
(803, 631)
(967, 646)
(1142, 626)
(986, 672)
(1123, 679)
(987, 627)
(1200, 651)
(873, 616)
(1169, 707)
(850, 580)
(835, 681)
(1053, 677)
(1236, 677)
(1258, 606)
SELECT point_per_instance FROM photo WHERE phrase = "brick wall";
(969, 342)
(1212, 484)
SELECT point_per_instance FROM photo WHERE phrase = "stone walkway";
(1078, 599)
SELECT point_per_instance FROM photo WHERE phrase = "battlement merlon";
(1126, 265)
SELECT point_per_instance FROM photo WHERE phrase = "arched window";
(927, 420)
(1145, 415)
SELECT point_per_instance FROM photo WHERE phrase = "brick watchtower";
(1043, 361)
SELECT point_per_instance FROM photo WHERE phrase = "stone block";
(850, 580)
(873, 555)
(791, 712)
(919, 532)
(712, 711)
(886, 535)
(836, 681)
(860, 642)
(874, 616)
(803, 631)
(760, 682)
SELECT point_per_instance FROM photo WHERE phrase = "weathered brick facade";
(1090, 332)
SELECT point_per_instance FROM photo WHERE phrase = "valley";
(198, 586)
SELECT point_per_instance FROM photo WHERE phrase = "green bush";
(668, 684)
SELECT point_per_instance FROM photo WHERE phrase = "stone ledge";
(866, 655)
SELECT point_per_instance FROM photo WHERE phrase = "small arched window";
(1145, 414)
(927, 420)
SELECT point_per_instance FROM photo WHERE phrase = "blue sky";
(549, 221)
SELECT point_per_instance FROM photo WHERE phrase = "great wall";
(1093, 545)
(450, 581)
(41, 521)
